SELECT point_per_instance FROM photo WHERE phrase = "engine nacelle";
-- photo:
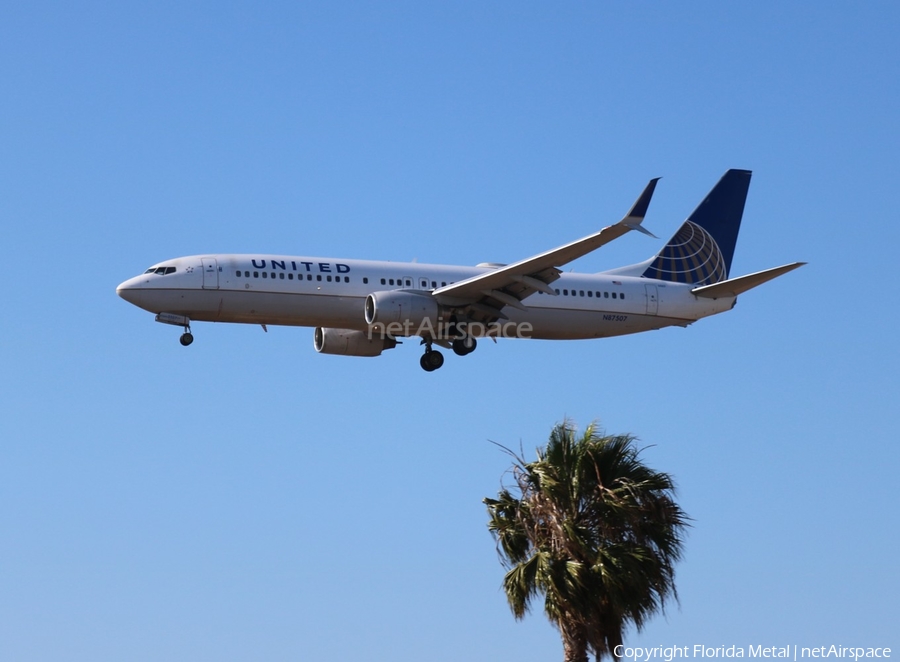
(391, 307)
(347, 342)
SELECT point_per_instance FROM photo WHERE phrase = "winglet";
(633, 218)
(639, 209)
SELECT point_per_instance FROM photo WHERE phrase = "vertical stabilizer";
(702, 249)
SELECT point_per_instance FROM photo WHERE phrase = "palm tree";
(592, 529)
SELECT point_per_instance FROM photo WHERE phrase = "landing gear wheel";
(435, 359)
(186, 338)
(431, 360)
(463, 346)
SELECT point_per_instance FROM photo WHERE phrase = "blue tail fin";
(701, 250)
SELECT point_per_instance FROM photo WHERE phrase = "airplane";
(364, 307)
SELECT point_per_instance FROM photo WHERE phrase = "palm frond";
(594, 530)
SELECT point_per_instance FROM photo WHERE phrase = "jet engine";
(347, 342)
(384, 308)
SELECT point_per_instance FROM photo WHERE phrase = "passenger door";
(210, 273)
(652, 299)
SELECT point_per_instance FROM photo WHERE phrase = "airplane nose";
(130, 290)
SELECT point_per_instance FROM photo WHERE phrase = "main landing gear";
(464, 345)
(432, 359)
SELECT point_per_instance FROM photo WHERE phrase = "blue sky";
(246, 498)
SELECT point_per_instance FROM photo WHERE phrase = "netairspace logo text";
(789, 652)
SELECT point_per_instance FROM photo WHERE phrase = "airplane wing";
(485, 295)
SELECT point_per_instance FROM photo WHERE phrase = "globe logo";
(692, 256)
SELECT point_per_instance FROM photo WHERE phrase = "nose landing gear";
(178, 320)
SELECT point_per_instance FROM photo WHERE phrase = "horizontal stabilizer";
(735, 286)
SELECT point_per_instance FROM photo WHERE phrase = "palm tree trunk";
(574, 642)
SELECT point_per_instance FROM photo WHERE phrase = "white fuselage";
(325, 292)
